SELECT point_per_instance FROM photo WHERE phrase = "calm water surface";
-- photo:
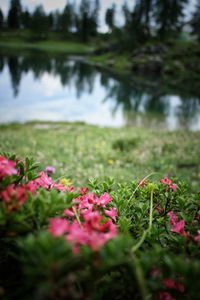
(34, 86)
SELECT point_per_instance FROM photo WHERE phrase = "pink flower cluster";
(168, 284)
(15, 196)
(7, 167)
(171, 284)
(168, 182)
(45, 182)
(85, 223)
(176, 225)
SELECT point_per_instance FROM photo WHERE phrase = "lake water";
(36, 86)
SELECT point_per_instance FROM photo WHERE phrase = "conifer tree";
(14, 14)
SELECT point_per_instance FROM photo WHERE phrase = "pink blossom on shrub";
(44, 181)
(93, 230)
(87, 201)
(58, 226)
(166, 181)
(15, 196)
(173, 187)
(173, 284)
(177, 226)
(70, 189)
(59, 187)
(104, 199)
(112, 213)
(165, 296)
(7, 167)
(69, 213)
(83, 190)
(173, 218)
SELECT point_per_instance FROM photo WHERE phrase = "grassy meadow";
(80, 151)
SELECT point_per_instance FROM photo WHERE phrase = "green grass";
(81, 151)
(21, 41)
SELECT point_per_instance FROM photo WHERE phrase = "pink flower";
(83, 190)
(59, 187)
(173, 187)
(169, 183)
(32, 186)
(77, 234)
(14, 197)
(173, 218)
(197, 237)
(44, 181)
(58, 226)
(50, 170)
(172, 284)
(177, 226)
(166, 181)
(69, 213)
(112, 213)
(70, 189)
(104, 199)
(7, 167)
(165, 296)
(87, 201)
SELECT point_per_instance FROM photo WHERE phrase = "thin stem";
(76, 215)
(137, 187)
(137, 246)
(140, 278)
(151, 211)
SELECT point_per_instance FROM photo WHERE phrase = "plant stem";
(135, 247)
(140, 278)
(76, 214)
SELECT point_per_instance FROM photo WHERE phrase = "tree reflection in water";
(143, 104)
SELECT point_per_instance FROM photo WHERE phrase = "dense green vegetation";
(81, 151)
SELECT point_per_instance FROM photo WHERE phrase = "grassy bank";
(179, 61)
(21, 41)
(82, 151)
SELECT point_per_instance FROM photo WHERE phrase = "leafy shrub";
(107, 240)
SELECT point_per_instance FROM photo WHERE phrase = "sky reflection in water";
(58, 89)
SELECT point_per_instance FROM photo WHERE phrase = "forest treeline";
(148, 18)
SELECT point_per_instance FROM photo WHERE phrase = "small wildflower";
(7, 167)
(110, 162)
(50, 170)
(66, 181)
